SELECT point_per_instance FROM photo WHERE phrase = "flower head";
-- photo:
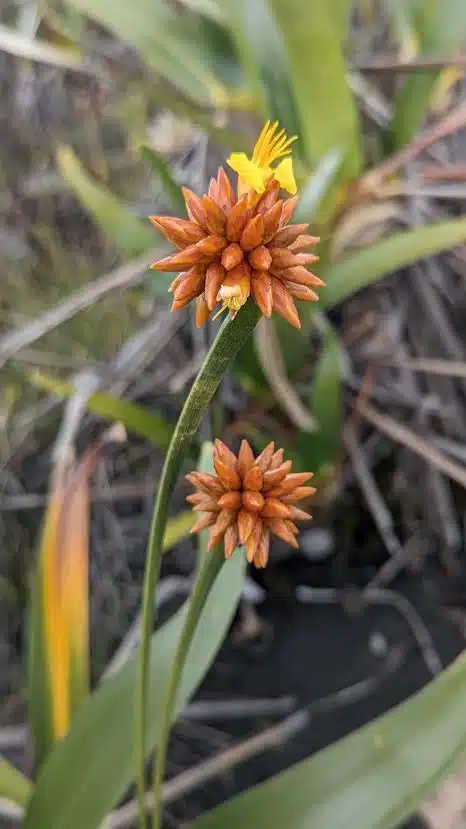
(232, 248)
(248, 499)
(255, 173)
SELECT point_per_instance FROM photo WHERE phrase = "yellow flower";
(256, 172)
(234, 292)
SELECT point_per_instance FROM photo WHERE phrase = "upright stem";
(209, 571)
(232, 335)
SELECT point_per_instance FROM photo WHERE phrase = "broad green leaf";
(373, 779)
(324, 102)
(91, 769)
(263, 59)
(319, 450)
(170, 43)
(160, 167)
(135, 418)
(209, 8)
(399, 250)
(441, 30)
(126, 231)
(14, 786)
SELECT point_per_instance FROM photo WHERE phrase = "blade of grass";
(160, 167)
(135, 418)
(127, 232)
(441, 29)
(399, 250)
(263, 59)
(231, 336)
(170, 43)
(320, 450)
(17, 44)
(324, 102)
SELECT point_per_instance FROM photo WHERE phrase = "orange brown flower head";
(233, 247)
(249, 499)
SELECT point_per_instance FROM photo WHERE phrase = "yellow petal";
(249, 173)
(283, 173)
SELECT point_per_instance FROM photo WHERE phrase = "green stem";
(208, 573)
(229, 340)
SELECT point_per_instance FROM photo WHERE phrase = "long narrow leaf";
(373, 779)
(319, 450)
(90, 770)
(441, 31)
(162, 171)
(135, 418)
(170, 43)
(263, 58)
(324, 102)
(399, 250)
(127, 232)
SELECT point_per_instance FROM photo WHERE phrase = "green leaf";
(170, 43)
(441, 31)
(399, 250)
(320, 449)
(263, 59)
(90, 770)
(315, 198)
(160, 167)
(324, 102)
(127, 232)
(373, 779)
(135, 418)
(14, 786)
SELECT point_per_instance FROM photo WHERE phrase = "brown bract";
(231, 249)
(249, 498)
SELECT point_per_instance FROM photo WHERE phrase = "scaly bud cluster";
(248, 499)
